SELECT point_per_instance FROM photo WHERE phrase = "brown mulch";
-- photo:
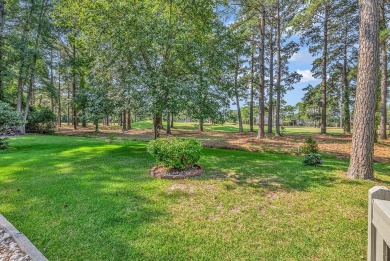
(172, 173)
(9, 249)
(335, 145)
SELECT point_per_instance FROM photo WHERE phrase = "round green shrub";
(312, 159)
(179, 153)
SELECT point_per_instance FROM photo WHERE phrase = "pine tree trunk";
(124, 121)
(361, 165)
(51, 82)
(2, 7)
(271, 84)
(261, 132)
(252, 95)
(74, 109)
(324, 71)
(279, 75)
(59, 120)
(240, 127)
(68, 105)
(346, 99)
(383, 105)
(128, 120)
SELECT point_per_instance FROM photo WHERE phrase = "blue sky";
(302, 63)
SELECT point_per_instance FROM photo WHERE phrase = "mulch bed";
(9, 249)
(171, 173)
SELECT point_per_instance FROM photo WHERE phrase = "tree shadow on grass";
(269, 171)
(73, 206)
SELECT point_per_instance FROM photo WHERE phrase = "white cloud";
(306, 76)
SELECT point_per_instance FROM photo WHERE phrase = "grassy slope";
(79, 199)
(230, 127)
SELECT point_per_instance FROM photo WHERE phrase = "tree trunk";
(361, 165)
(157, 124)
(128, 120)
(252, 95)
(346, 99)
(172, 120)
(59, 101)
(74, 109)
(201, 129)
(279, 75)
(2, 7)
(51, 82)
(68, 117)
(383, 105)
(261, 132)
(324, 71)
(236, 94)
(96, 123)
(168, 123)
(124, 127)
(271, 84)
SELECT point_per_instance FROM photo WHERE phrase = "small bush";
(312, 159)
(111, 138)
(310, 146)
(9, 118)
(179, 153)
(41, 121)
(3, 143)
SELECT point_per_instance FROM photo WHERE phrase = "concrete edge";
(23, 242)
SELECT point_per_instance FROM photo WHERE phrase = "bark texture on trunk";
(2, 7)
(346, 98)
(128, 120)
(236, 94)
(271, 85)
(74, 109)
(324, 71)
(261, 132)
(251, 94)
(361, 165)
(383, 105)
(59, 101)
(279, 75)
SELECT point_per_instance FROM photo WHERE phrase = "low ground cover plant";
(179, 153)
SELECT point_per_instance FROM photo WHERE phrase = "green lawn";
(231, 127)
(83, 199)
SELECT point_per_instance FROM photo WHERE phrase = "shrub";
(3, 143)
(310, 146)
(312, 159)
(179, 153)
(9, 117)
(41, 121)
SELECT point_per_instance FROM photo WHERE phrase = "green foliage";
(9, 117)
(310, 146)
(3, 143)
(312, 159)
(111, 138)
(179, 153)
(41, 121)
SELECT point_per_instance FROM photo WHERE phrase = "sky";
(301, 62)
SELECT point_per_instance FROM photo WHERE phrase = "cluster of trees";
(89, 61)
(92, 60)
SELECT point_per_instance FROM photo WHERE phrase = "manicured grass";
(231, 127)
(83, 199)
